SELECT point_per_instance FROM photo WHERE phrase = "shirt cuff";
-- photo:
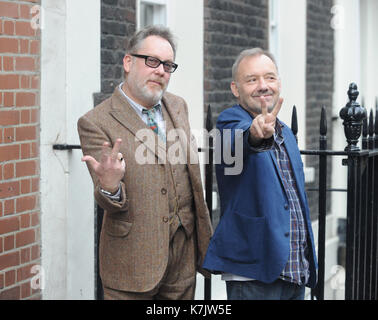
(115, 197)
(265, 145)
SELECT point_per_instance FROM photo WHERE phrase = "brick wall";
(19, 155)
(230, 27)
(319, 84)
(117, 24)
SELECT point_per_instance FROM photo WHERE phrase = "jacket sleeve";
(234, 125)
(92, 138)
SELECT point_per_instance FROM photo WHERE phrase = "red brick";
(9, 81)
(34, 82)
(35, 252)
(34, 184)
(11, 294)
(8, 99)
(34, 115)
(24, 238)
(27, 168)
(24, 272)
(8, 225)
(9, 260)
(8, 64)
(1, 244)
(24, 82)
(10, 278)
(34, 218)
(26, 133)
(25, 151)
(25, 11)
(1, 204)
(9, 135)
(8, 45)
(9, 189)
(25, 99)
(8, 171)
(24, 46)
(25, 290)
(25, 186)
(8, 28)
(25, 116)
(8, 207)
(34, 47)
(25, 203)
(25, 220)
(1, 280)
(34, 150)
(24, 29)
(25, 255)
(9, 242)
(8, 118)
(11, 152)
(25, 64)
(9, 10)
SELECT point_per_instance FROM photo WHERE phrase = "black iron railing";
(362, 199)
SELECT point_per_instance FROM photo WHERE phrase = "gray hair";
(250, 53)
(160, 31)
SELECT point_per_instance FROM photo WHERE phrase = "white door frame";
(70, 74)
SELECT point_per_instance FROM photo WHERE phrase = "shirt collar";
(278, 137)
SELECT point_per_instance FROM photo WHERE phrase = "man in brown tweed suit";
(156, 225)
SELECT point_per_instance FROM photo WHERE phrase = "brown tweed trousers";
(134, 241)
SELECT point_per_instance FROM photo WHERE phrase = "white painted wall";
(185, 19)
(292, 63)
(347, 70)
(70, 74)
(369, 52)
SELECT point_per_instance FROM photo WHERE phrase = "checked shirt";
(297, 266)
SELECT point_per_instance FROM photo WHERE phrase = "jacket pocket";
(240, 238)
(116, 227)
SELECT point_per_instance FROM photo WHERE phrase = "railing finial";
(294, 122)
(353, 115)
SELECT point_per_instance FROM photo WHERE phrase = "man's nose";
(262, 85)
(160, 69)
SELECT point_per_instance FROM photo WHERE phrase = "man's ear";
(234, 89)
(127, 63)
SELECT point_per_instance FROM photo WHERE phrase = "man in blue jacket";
(263, 244)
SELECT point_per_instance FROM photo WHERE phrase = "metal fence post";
(353, 115)
(209, 186)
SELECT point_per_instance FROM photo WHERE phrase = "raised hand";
(263, 125)
(111, 168)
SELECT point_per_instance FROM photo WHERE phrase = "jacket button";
(286, 206)
(164, 191)
(165, 219)
(287, 234)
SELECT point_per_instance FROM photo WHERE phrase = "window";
(151, 12)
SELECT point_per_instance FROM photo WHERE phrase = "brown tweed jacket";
(134, 239)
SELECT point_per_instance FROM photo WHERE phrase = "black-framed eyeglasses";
(155, 62)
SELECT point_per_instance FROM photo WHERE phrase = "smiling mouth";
(156, 83)
(263, 95)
